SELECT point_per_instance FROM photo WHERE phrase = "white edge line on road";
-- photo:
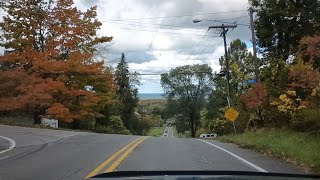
(236, 156)
(12, 144)
(5, 157)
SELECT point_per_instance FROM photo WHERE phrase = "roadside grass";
(296, 147)
(156, 131)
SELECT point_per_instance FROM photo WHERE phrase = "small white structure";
(50, 122)
(214, 135)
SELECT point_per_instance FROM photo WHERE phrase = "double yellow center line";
(118, 161)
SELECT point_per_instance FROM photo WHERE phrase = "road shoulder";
(271, 164)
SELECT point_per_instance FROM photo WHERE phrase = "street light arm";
(223, 26)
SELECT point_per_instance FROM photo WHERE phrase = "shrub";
(242, 120)
(115, 127)
(221, 126)
(87, 123)
(274, 118)
(306, 120)
(103, 129)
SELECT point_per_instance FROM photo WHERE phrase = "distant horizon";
(151, 95)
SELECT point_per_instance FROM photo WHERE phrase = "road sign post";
(231, 114)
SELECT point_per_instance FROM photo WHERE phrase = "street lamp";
(196, 20)
(201, 20)
(211, 20)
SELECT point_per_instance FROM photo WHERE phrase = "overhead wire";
(126, 22)
(151, 25)
(194, 48)
(201, 53)
(211, 52)
(172, 33)
(186, 15)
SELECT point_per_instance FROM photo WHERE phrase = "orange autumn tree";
(303, 89)
(255, 99)
(48, 66)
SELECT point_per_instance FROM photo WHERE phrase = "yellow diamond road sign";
(231, 114)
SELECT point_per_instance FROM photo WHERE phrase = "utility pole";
(254, 46)
(224, 30)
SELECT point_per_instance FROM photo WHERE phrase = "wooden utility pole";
(254, 46)
(224, 30)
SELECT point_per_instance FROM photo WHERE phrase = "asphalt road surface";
(168, 132)
(55, 154)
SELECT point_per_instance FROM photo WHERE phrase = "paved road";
(4, 144)
(168, 132)
(53, 154)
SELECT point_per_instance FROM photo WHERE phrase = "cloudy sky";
(157, 35)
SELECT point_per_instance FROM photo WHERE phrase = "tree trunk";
(193, 132)
(37, 115)
(36, 118)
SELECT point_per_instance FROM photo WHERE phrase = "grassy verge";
(156, 131)
(296, 147)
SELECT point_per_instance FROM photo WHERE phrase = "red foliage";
(310, 48)
(303, 76)
(255, 97)
(50, 61)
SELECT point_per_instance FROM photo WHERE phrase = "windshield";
(89, 87)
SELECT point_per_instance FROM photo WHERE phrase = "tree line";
(49, 69)
(287, 95)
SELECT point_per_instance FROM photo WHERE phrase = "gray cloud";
(155, 45)
(136, 57)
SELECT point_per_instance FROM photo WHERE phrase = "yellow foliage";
(274, 103)
(291, 93)
(283, 97)
(288, 103)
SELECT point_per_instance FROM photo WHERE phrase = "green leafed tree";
(188, 86)
(127, 94)
(241, 68)
(281, 24)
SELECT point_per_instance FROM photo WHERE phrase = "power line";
(203, 50)
(242, 15)
(157, 74)
(150, 25)
(146, 50)
(186, 15)
(197, 46)
(173, 33)
(126, 22)
(212, 52)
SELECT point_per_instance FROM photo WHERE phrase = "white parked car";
(214, 135)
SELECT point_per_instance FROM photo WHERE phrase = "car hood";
(221, 175)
